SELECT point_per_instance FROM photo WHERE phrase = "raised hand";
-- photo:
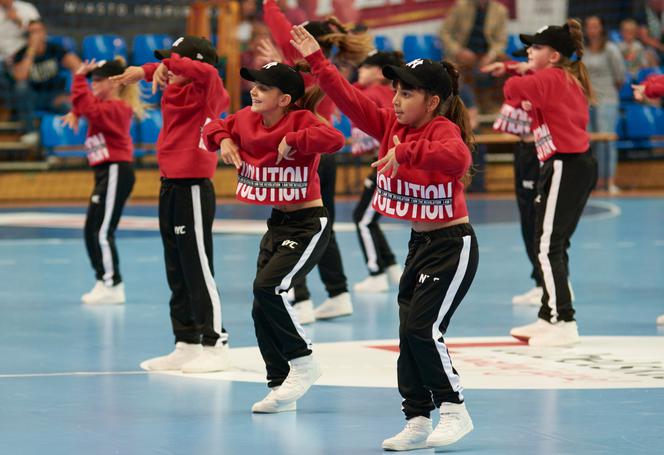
(131, 75)
(230, 154)
(87, 66)
(519, 67)
(496, 69)
(160, 78)
(71, 121)
(285, 151)
(303, 42)
(267, 52)
(389, 161)
(639, 91)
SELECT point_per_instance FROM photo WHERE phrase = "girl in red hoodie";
(353, 49)
(379, 258)
(109, 111)
(556, 92)
(276, 148)
(193, 96)
(424, 155)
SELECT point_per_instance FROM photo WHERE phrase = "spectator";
(633, 52)
(475, 32)
(607, 73)
(14, 19)
(39, 85)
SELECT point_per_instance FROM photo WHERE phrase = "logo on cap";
(178, 41)
(270, 65)
(415, 63)
(199, 56)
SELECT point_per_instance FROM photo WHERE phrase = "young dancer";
(275, 145)
(513, 119)
(652, 88)
(109, 110)
(424, 154)
(380, 260)
(193, 96)
(352, 48)
(556, 94)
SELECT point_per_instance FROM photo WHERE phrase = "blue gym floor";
(70, 381)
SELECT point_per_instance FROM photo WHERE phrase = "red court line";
(485, 344)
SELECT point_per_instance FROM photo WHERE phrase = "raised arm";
(280, 28)
(316, 139)
(360, 110)
(445, 152)
(198, 72)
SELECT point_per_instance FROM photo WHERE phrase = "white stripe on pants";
(205, 264)
(109, 205)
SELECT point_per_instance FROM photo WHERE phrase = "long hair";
(311, 98)
(604, 38)
(131, 94)
(353, 47)
(576, 69)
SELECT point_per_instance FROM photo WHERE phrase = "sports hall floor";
(70, 381)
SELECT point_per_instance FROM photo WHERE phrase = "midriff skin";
(428, 227)
(295, 207)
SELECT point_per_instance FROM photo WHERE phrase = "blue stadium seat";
(61, 141)
(104, 47)
(421, 46)
(614, 35)
(63, 40)
(144, 46)
(640, 121)
(383, 43)
(513, 45)
(626, 93)
(344, 126)
(644, 73)
(434, 46)
(148, 132)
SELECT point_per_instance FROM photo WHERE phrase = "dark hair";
(353, 47)
(312, 95)
(605, 35)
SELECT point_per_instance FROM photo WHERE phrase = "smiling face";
(540, 56)
(266, 100)
(413, 107)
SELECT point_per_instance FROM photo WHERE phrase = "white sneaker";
(413, 436)
(614, 189)
(304, 371)
(532, 297)
(269, 405)
(525, 332)
(394, 274)
(95, 290)
(105, 295)
(30, 138)
(373, 283)
(334, 307)
(454, 424)
(211, 359)
(183, 353)
(304, 311)
(660, 320)
(560, 334)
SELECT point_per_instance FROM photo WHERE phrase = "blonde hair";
(353, 47)
(131, 95)
(576, 70)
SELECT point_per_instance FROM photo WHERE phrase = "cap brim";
(161, 54)
(528, 40)
(399, 73)
(255, 75)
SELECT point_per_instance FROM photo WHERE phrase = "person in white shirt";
(14, 19)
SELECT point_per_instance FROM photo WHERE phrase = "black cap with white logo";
(381, 59)
(423, 74)
(193, 47)
(106, 69)
(554, 36)
(274, 74)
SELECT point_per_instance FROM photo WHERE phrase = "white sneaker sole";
(398, 447)
(104, 302)
(332, 315)
(432, 442)
(272, 407)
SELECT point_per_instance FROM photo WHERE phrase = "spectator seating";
(144, 46)
(104, 47)
(152, 99)
(147, 133)
(422, 46)
(383, 43)
(65, 41)
(61, 141)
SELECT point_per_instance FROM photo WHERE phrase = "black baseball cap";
(318, 28)
(423, 74)
(381, 59)
(107, 68)
(279, 75)
(554, 36)
(193, 47)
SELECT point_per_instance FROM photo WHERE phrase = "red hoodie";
(280, 27)
(432, 158)
(381, 95)
(654, 87)
(559, 114)
(260, 179)
(186, 109)
(108, 139)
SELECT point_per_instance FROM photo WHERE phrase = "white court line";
(659, 242)
(56, 261)
(147, 259)
(73, 373)
(591, 246)
(7, 262)
(626, 244)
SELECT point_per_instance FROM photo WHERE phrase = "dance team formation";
(409, 116)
